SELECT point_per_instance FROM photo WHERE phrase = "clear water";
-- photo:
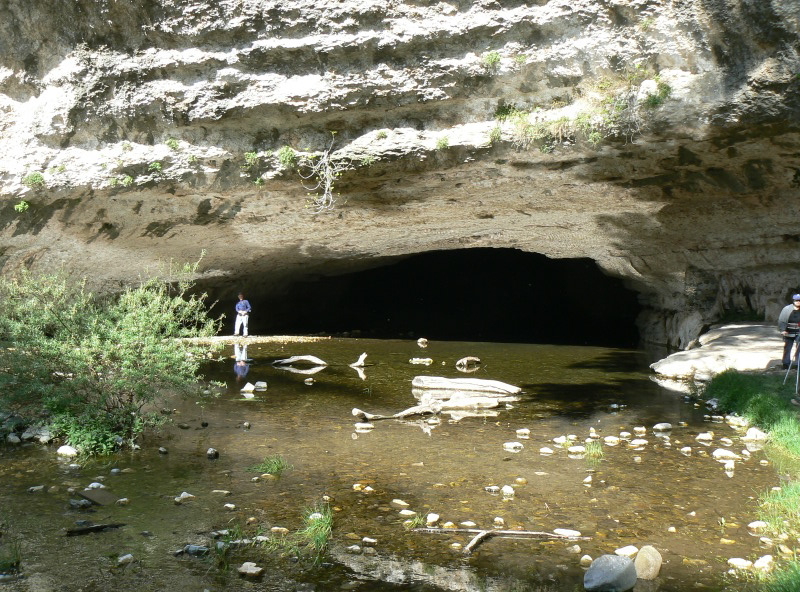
(634, 498)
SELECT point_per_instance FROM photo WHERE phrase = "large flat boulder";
(739, 346)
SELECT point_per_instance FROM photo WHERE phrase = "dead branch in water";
(481, 535)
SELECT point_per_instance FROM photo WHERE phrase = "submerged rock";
(647, 563)
(610, 573)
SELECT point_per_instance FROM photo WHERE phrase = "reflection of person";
(240, 366)
(242, 315)
(788, 323)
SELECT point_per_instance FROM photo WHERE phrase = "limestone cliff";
(659, 138)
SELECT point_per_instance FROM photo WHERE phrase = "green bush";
(287, 157)
(97, 365)
(250, 160)
(491, 60)
(34, 180)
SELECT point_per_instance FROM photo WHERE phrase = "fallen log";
(465, 384)
(481, 535)
(93, 528)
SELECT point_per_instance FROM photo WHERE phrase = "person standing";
(789, 326)
(242, 315)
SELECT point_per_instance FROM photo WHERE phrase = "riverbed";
(656, 492)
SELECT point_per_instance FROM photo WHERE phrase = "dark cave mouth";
(481, 294)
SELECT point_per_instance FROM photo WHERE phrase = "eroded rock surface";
(659, 139)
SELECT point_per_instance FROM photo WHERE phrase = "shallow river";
(685, 505)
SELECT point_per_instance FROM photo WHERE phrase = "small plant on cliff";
(491, 61)
(381, 135)
(663, 91)
(647, 23)
(368, 160)
(250, 160)
(287, 157)
(155, 167)
(34, 180)
(443, 143)
(22, 206)
(173, 144)
(95, 364)
(495, 134)
(126, 181)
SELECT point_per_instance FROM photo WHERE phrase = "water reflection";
(240, 365)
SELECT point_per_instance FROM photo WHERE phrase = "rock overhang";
(142, 142)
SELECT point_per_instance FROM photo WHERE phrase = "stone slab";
(739, 346)
(101, 497)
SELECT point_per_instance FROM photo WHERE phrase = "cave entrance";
(481, 294)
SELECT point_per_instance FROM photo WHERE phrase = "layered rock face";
(285, 139)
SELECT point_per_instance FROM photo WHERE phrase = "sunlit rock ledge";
(747, 347)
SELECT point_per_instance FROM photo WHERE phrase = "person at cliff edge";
(242, 315)
(789, 326)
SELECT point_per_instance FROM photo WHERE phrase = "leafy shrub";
(155, 167)
(34, 180)
(491, 60)
(22, 206)
(250, 160)
(664, 90)
(287, 157)
(96, 364)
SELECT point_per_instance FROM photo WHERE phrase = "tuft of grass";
(784, 579)
(127, 181)
(594, 450)
(443, 143)
(368, 160)
(780, 508)
(495, 135)
(381, 135)
(764, 400)
(316, 533)
(417, 521)
(274, 465)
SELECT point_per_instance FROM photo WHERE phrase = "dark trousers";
(788, 342)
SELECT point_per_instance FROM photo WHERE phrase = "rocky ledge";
(291, 139)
